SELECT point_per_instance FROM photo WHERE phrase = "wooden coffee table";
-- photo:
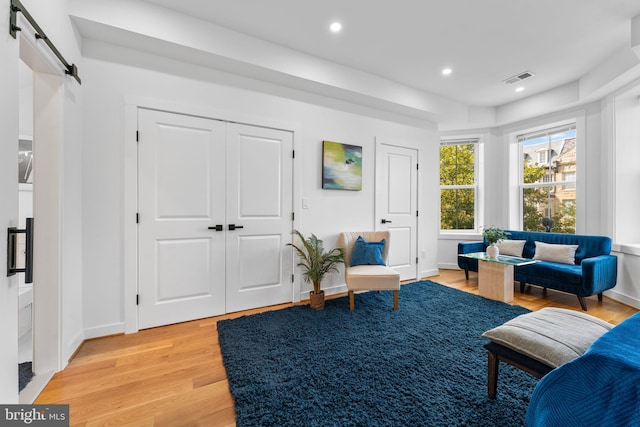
(495, 275)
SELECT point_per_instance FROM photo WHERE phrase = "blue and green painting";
(341, 166)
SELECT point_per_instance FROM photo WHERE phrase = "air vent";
(518, 77)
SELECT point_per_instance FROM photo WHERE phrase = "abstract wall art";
(341, 166)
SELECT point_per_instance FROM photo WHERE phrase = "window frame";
(549, 130)
(476, 141)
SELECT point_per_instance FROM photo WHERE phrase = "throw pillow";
(511, 247)
(367, 253)
(564, 254)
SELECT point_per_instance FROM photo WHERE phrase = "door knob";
(218, 227)
(234, 227)
(384, 221)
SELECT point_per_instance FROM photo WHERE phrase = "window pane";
(554, 202)
(457, 164)
(457, 209)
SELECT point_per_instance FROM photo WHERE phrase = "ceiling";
(411, 41)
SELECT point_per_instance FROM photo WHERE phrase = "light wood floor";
(173, 375)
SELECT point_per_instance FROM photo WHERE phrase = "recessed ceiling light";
(335, 27)
(447, 71)
(519, 89)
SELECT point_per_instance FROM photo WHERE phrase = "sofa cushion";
(567, 273)
(565, 254)
(552, 336)
(367, 253)
(372, 277)
(511, 247)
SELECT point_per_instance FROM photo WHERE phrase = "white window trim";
(478, 183)
(514, 134)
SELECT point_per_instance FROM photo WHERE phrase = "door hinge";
(293, 216)
(137, 299)
(417, 213)
(293, 154)
(137, 218)
(137, 136)
(293, 278)
(416, 260)
(417, 166)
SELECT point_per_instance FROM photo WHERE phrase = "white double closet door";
(215, 213)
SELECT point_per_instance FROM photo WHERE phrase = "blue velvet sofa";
(594, 271)
(599, 388)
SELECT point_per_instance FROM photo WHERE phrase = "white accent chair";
(368, 277)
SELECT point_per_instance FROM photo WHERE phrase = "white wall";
(116, 76)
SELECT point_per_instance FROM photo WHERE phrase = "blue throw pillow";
(367, 253)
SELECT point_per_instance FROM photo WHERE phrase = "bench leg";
(583, 303)
(492, 383)
(351, 301)
(600, 297)
(522, 284)
(466, 274)
(395, 299)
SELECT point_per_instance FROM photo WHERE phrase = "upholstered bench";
(540, 341)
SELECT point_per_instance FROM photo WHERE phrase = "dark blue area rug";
(422, 365)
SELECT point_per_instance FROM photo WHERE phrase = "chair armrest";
(598, 274)
(470, 247)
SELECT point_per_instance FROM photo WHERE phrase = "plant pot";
(316, 300)
(493, 251)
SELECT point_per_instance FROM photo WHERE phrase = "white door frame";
(393, 142)
(48, 105)
(130, 191)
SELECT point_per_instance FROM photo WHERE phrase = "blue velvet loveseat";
(595, 270)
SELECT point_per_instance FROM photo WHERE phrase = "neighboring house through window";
(548, 186)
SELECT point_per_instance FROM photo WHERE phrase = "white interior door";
(181, 193)
(397, 205)
(259, 209)
(195, 174)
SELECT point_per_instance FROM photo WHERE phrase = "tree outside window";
(458, 185)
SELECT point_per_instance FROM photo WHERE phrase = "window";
(458, 184)
(548, 186)
(542, 157)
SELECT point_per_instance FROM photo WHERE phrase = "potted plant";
(494, 235)
(315, 263)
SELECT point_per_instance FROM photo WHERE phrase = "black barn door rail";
(16, 6)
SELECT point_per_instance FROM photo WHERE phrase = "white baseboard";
(33, 389)
(448, 266)
(430, 273)
(103, 331)
(73, 346)
(332, 290)
(625, 299)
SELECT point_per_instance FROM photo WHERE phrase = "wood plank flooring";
(174, 376)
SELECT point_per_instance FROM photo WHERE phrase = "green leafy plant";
(494, 235)
(314, 262)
